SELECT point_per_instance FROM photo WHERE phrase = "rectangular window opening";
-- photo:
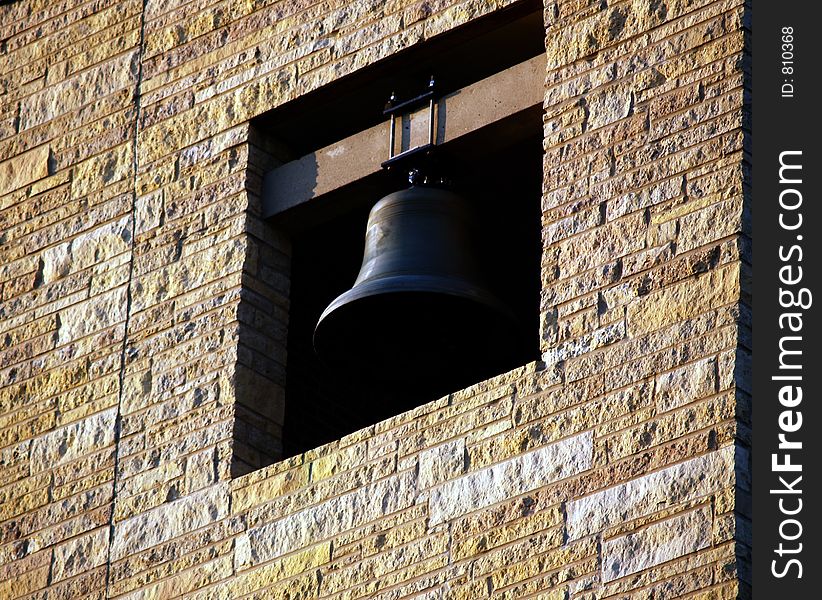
(288, 400)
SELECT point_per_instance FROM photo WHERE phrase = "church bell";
(420, 305)
(420, 308)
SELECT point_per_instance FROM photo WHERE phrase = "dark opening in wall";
(504, 186)
(497, 169)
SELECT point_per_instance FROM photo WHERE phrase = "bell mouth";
(413, 330)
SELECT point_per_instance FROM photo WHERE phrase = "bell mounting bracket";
(409, 158)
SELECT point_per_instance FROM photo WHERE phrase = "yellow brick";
(328, 465)
(282, 569)
(268, 489)
(684, 300)
(23, 169)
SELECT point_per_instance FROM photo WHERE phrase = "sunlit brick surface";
(132, 256)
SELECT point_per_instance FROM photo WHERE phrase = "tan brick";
(678, 302)
(80, 554)
(73, 441)
(101, 80)
(503, 489)
(656, 544)
(169, 521)
(85, 318)
(441, 463)
(712, 223)
(278, 571)
(107, 168)
(322, 521)
(694, 478)
(515, 476)
(23, 169)
(686, 384)
(276, 485)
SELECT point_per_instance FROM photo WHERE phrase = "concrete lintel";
(460, 113)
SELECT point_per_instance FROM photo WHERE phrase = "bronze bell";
(419, 305)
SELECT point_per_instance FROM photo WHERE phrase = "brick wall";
(143, 300)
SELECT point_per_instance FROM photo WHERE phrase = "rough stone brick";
(656, 544)
(679, 301)
(584, 344)
(658, 193)
(28, 576)
(712, 223)
(269, 488)
(23, 169)
(170, 520)
(441, 463)
(84, 318)
(609, 105)
(686, 384)
(322, 521)
(336, 462)
(279, 570)
(80, 554)
(101, 80)
(73, 441)
(89, 248)
(510, 478)
(105, 169)
(600, 245)
(639, 497)
(642, 314)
